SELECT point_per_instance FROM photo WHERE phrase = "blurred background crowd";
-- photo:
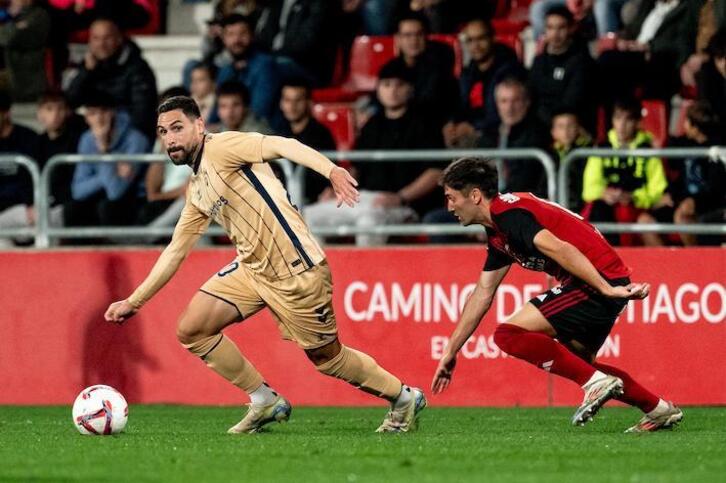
(374, 75)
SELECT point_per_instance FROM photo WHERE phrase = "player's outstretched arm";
(576, 263)
(474, 310)
(344, 185)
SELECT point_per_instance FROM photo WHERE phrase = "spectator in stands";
(202, 89)
(16, 185)
(301, 35)
(562, 75)
(79, 14)
(711, 19)
(244, 63)
(490, 63)
(606, 13)
(436, 92)
(296, 105)
(696, 186)
(62, 130)
(106, 193)
(391, 192)
(234, 113)
(446, 16)
(114, 65)
(378, 16)
(568, 135)
(711, 79)
(617, 189)
(651, 51)
(518, 128)
(23, 39)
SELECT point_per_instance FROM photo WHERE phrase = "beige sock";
(362, 371)
(223, 357)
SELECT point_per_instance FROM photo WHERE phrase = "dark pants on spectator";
(100, 211)
(599, 211)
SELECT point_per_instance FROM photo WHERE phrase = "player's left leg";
(303, 308)
(528, 335)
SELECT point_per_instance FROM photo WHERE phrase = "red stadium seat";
(655, 121)
(339, 119)
(507, 26)
(606, 42)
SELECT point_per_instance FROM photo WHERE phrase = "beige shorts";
(302, 304)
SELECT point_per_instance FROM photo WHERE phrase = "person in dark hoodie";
(518, 128)
(490, 63)
(106, 193)
(114, 65)
(562, 75)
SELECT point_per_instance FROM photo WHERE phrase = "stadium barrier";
(55, 341)
(45, 235)
(29, 164)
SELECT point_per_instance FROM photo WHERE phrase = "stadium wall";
(399, 305)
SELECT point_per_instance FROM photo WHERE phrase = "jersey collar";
(198, 159)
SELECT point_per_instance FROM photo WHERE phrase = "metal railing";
(715, 153)
(557, 184)
(46, 234)
(32, 167)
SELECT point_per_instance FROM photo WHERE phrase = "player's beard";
(185, 159)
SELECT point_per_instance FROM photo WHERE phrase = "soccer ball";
(100, 410)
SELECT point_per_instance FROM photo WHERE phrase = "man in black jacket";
(301, 35)
(114, 65)
(490, 63)
(519, 128)
(296, 105)
(390, 192)
(561, 76)
(651, 51)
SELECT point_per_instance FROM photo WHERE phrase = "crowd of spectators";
(260, 63)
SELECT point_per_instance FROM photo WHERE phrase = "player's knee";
(505, 335)
(187, 331)
(325, 354)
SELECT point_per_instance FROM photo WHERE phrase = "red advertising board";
(399, 305)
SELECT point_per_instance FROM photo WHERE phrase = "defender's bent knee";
(324, 354)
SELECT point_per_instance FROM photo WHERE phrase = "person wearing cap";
(106, 193)
(397, 191)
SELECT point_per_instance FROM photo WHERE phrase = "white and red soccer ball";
(100, 410)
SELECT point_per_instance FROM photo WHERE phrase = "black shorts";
(578, 312)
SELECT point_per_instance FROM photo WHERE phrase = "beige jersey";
(233, 186)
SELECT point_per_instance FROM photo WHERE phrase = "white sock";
(263, 395)
(595, 377)
(662, 406)
(404, 397)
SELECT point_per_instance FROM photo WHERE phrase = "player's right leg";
(221, 302)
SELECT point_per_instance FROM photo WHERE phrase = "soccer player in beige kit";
(279, 265)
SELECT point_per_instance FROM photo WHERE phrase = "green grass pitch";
(181, 443)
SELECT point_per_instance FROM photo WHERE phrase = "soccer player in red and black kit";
(579, 314)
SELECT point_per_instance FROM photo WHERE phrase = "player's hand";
(442, 377)
(119, 312)
(632, 291)
(344, 186)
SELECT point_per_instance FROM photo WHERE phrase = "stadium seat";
(655, 121)
(367, 55)
(681, 120)
(507, 26)
(339, 119)
(151, 28)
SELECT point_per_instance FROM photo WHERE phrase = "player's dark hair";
(183, 103)
(465, 174)
(631, 106)
(234, 88)
(562, 11)
(172, 91)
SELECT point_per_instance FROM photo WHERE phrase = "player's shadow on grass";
(113, 354)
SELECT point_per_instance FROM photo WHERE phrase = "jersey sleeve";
(496, 259)
(230, 150)
(520, 228)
